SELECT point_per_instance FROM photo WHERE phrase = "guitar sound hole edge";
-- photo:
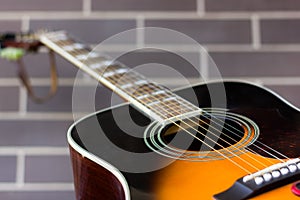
(213, 136)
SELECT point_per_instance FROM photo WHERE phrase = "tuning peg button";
(296, 188)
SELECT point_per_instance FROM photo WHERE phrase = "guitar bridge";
(262, 181)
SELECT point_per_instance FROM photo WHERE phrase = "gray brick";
(144, 5)
(288, 92)
(9, 100)
(33, 133)
(62, 101)
(7, 69)
(253, 5)
(38, 195)
(280, 31)
(163, 64)
(8, 168)
(89, 31)
(36, 5)
(48, 169)
(37, 65)
(203, 31)
(11, 25)
(239, 64)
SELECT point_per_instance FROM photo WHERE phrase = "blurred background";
(252, 40)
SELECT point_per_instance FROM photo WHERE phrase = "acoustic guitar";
(169, 145)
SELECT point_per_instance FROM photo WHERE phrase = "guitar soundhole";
(206, 134)
(215, 134)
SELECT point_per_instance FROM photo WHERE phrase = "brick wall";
(255, 40)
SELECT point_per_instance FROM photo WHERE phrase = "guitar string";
(184, 122)
(87, 52)
(272, 155)
(83, 51)
(135, 91)
(231, 126)
(267, 152)
(225, 128)
(176, 116)
(257, 141)
(250, 164)
(178, 113)
(206, 143)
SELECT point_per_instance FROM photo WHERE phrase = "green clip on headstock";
(13, 46)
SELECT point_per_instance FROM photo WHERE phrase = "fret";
(120, 71)
(127, 85)
(69, 48)
(171, 98)
(97, 64)
(128, 79)
(66, 42)
(116, 79)
(159, 92)
(135, 79)
(141, 82)
(143, 96)
(113, 72)
(86, 56)
(163, 97)
(93, 55)
(81, 56)
(146, 88)
(111, 67)
(100, 64)
(165, 111)
(79, 46)
(153, 103)
(78, 52)
(170, 110)
(59, 37)
(156, 101)
(160, 96)
(73, 47)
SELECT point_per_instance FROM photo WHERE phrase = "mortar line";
(255, 31)
(25, 24)
(204, 70)
(22, 100)
(20, 169)
(140, 35)
(87, 7)
(200, 7)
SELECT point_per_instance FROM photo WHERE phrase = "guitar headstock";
(26, 41)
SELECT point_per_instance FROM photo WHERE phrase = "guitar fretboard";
(153, 99)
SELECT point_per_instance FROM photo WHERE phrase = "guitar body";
(99, 143)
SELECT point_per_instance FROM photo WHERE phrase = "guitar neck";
(154, 100)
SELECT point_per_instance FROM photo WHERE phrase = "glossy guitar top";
(102, 140)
